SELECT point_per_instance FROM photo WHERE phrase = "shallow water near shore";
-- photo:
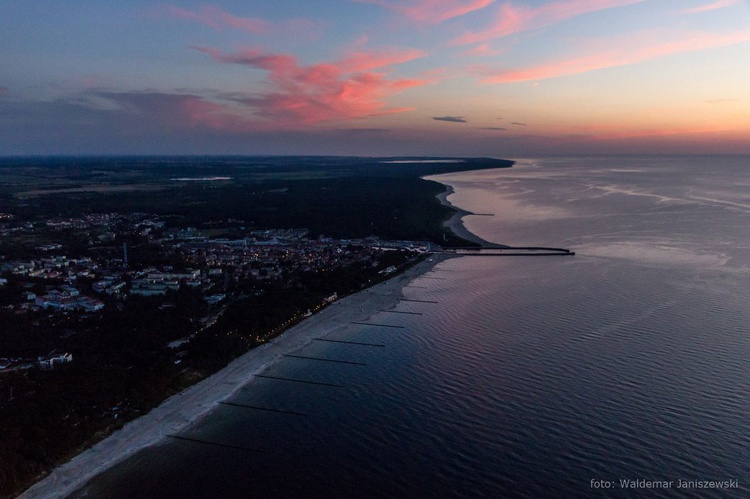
(514, 376)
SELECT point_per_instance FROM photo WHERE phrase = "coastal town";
(104, 315)
(80, 266)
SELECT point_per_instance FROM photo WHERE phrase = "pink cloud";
(430, 11)
(515, 19)
(217, 18)
(629, 52)
(323, 92)
(719, 4)
(363, 61)
(482, 50)
(4, 90)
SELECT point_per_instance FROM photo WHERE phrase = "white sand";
(186, 408)
(456, 224)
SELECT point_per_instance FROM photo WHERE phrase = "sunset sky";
(375, 77)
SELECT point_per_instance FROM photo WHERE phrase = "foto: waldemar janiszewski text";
(624, 483)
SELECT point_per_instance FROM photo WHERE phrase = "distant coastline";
(456, 225)
(455, 222)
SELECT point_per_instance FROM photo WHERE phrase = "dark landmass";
(91, 338)
(351, 197)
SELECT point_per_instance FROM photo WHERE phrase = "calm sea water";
(530, 377)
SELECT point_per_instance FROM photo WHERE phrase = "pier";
(508, 251)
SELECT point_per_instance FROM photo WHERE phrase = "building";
(53, 359)
(109, 287)
(89, 304)
(68, 300)
(188, 274)
(148, 287)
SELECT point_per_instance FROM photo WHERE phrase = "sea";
(622, 371)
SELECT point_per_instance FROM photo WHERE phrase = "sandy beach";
(455, 223)
(187, 407)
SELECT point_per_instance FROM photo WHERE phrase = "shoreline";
(186, 408)
(455, 223)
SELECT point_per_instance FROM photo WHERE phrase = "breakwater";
(510, 251)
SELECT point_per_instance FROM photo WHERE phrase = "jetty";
(497, 250)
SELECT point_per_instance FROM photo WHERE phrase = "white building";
(53, 359)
